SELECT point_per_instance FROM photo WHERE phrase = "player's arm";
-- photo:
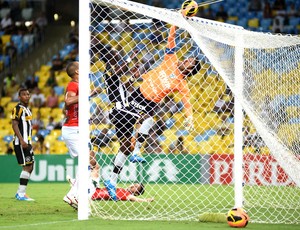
(171, 39)
(170, 48)
(187, 105)
(188, 123)
(137, 199)
(16, 113)
(15, 127)
(71, 98)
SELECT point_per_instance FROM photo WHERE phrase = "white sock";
(144, 129)
(22, 188)
(119, 162)
(120, 159)
(114, 179)
(74, 188)
(137, 148)
(146, 126)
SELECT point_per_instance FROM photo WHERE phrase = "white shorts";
(70, 135)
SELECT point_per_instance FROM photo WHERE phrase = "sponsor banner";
(159, 168)
(259, 170)
(47, 168)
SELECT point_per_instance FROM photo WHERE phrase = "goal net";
(191, 172)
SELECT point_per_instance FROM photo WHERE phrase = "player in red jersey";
(170, 76)
(70, 129)
(128, 194)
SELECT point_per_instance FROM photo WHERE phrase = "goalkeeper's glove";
(188, 123)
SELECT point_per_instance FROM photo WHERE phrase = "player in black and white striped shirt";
(21, 124)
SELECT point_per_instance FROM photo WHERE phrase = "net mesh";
(191, 172)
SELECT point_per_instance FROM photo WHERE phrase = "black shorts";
(124, 122)
(140, 104)
(24, 156)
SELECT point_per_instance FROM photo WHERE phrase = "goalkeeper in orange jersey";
(170, 76)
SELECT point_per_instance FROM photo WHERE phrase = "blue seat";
(205, 136)
(96, 132)
(232, 22)
(294, 120)
(294, 21)
(265, 24)
(278, 102)
(5, 59)
(182, 132)
(43, 132)
(137, 36)
(8, 138)
(104, 97)
(59, 90)
(18, 41)
(69, 47)
(242, 22)
(97, 79)
(161, 138)
(293, 100)
(63, 53)
(170, 123)
(93, 108)
(100, 28)
(61, 105)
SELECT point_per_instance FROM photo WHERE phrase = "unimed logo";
(44, 171)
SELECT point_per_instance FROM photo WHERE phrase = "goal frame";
(83, 160)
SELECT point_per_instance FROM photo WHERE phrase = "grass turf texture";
(50, 212)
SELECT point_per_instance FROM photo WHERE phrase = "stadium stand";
(209, 136)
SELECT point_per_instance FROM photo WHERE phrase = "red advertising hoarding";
(258, 170)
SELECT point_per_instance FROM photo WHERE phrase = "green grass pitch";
(50, 212)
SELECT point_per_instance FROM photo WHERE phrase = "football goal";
(244, 149)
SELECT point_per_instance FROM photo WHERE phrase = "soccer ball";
(237, 217)
(189, 8)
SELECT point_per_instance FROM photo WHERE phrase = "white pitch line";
(37, 224)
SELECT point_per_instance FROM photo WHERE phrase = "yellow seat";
(4, 132)
(288, 133)
(34, 111)
(4, 101)
(45, 68)
(292, 111)
(50, 139)
(10, 105)
(58, 147)
(57, 113)
(265, 151)
(254, 22)
(45, 112)
(5, 39)
(56, 133)
(3, 147)
(205, 147)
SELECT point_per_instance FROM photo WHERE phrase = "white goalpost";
(245, 148)
(84, 92)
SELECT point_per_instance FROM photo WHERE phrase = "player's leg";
(25, 157)
(95, 168)
(124, 124)
(147, 108)
(142, 134)
(71, 138)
